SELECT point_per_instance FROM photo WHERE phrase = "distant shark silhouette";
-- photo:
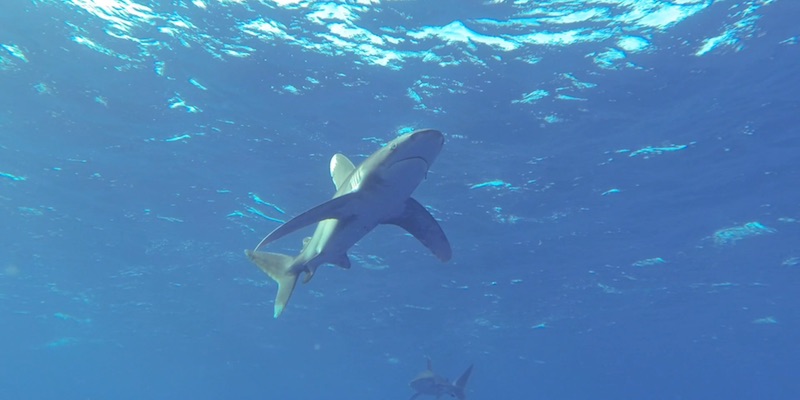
(377, 192)
(427, 382)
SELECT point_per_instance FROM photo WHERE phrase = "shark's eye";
(393, 146)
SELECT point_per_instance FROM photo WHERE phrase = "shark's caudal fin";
(461, 383)
(279, 268)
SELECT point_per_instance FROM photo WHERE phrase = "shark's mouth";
(411, 160)
(427, 165)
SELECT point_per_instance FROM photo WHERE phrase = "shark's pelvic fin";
(420, 223)
(335, 208)
(341, 168)
(279, 268)
(343, 261)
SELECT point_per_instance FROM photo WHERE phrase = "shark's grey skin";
(427, 382)
(377, 192)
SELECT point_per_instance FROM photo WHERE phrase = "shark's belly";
(333, 238)
(403, 177)
(397, 181)
(381, 196)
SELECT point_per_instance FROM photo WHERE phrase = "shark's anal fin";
(420, 223)
(279, 268)
(335, 208)
(343, 261)
(341, 168)
(307, 278)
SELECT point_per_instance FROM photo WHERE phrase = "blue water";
(619, 182)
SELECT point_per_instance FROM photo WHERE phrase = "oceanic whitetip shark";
(427, 382)
(377, 192)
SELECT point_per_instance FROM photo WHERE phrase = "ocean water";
(620, 183)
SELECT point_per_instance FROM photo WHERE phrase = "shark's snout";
(423, 144)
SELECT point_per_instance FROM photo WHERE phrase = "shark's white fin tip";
(279, 268)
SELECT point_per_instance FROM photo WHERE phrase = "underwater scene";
(399, 199)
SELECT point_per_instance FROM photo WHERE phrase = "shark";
(377, 192)
(429, 383)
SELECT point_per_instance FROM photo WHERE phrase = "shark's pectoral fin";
(420, 223)
(335, 208)
(279, 268)
(341, 168)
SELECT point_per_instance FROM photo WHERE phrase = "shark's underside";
(376, 192)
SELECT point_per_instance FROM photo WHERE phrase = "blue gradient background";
(638, 239)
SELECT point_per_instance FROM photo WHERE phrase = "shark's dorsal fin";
(462, 380)
(420, 223)
(341, 168)
(336, 208)
(458, 387)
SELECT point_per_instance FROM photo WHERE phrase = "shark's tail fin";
(279, 268)
(461, 383)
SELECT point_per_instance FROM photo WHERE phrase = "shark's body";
(429, 383)
(377, 192)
